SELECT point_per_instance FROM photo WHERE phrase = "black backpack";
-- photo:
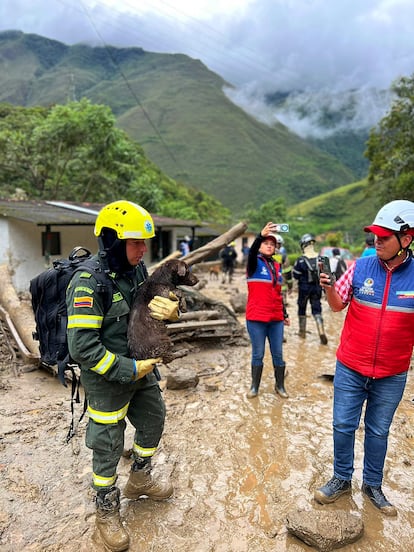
(48, 291)
(312, 266)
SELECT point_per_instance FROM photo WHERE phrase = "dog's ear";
(181, 269)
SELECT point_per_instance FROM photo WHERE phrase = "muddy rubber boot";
(108, 521)
(256, 377)
(280, 381)
(302, 326)
(321, 330)
(141, 483)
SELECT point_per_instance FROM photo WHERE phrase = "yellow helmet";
(128, 219)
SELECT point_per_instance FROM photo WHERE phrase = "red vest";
(264, 302)
(378, 335)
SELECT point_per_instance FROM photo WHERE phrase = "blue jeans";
(311, 293)
(382, 397)
(258, 332)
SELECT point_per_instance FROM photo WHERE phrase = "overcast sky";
(257, 45)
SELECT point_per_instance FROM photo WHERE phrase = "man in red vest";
(374, 353)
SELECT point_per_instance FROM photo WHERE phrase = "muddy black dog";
(148, 338)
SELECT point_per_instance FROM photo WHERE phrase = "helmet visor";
(379, 231)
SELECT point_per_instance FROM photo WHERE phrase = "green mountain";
(346, 209)
(176, 109)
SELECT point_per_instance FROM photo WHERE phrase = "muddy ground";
(238, 465)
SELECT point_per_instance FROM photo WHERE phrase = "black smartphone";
(325, 267)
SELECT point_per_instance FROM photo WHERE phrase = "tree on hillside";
(390, 148)
(273, 210)
(75, 152)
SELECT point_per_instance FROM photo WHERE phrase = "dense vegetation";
(75, 152)
(391, 147)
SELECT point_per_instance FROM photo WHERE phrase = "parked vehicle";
(346, 255)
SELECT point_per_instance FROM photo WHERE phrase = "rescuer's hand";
(163, 308)
(144, 367)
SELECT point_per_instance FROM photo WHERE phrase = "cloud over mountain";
(313, 48)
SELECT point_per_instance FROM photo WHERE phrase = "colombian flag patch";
(83, 302)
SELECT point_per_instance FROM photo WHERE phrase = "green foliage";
(273, 210)
(390, 147)
(334, 239)
(75, 152)
(341, 213)
(49, 52)
(347, 146)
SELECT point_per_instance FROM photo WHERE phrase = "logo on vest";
(405, 294)
(368, 287)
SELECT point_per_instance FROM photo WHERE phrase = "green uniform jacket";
(97, 340)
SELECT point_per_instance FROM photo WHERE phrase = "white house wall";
(22, 248)
(4, 241)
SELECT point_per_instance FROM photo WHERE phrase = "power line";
(128, 84)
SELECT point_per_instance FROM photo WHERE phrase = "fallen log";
(199, 315)
(32, 357)
(196, 324)
(215, 245)
(19, 317)
(206, 250)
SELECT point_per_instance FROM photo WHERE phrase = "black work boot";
(280, 380)
(302, 326)
(256, 377)
(141, 483)
(108, 521)
(332, 490)
(321, 329)
(379, 500)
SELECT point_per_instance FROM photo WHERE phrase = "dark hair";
(335, 251)
(369, 240)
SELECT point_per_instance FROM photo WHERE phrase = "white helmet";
(396, 216)
(279, 239)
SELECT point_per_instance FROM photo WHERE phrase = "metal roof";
(66, 213)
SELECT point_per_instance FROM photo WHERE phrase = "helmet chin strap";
(399, 252)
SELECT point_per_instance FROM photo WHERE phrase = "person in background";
(374, 352)
(338, 265)
(228, 256)
(266, 314)
(245, 253)
(282, 258)
(369, 247)
(185, 246)
(117, 386)
(305, 271)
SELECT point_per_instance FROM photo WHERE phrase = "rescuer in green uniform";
(117, 386)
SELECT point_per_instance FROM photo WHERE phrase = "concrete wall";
(22, 248)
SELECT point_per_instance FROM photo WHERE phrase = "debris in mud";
(325, 530)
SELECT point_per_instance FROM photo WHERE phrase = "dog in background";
(148, 338)
(214, 272)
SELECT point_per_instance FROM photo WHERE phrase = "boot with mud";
(302, 326)
(256, 377)
(321, 329)
(141, 482)
(108, 521)
(280, 381)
